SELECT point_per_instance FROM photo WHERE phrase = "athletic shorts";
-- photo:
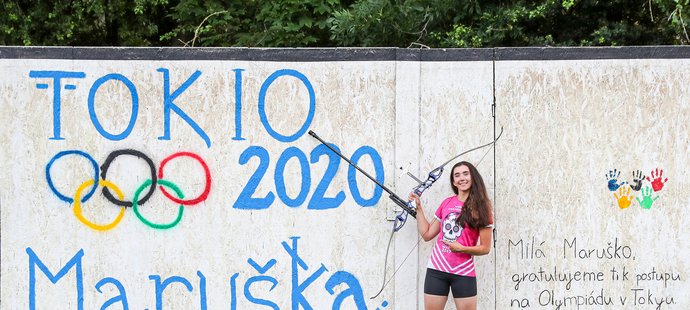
(439, 283)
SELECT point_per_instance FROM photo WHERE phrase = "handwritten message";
(611, 276)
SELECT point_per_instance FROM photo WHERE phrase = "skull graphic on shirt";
(451, 229)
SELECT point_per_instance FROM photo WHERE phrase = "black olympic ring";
(104, 170)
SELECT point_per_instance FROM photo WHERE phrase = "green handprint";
(623, 197)
(646, 201)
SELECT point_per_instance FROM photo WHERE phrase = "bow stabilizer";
(405, 205)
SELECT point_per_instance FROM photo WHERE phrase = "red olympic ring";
(186, 202)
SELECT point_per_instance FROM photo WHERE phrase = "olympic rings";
(156, 179)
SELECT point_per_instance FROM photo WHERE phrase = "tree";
(311, 23)
(474, 23)
(278, 23)
(84, 22)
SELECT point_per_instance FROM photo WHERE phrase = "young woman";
(466, 227)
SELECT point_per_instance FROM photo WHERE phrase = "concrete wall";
(272, 219)
(574, 126)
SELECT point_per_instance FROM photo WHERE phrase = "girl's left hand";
(454, 246)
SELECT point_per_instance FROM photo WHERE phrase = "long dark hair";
(476, 211)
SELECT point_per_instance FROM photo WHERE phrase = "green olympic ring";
(166, 183)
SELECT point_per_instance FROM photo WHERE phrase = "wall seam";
(493, 114)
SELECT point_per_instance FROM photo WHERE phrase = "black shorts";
(439, 283)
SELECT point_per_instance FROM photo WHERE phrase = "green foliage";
(381, 22)
(310, 23)
(82, 22)
(279, 23)
(473, 23)
(676, 14)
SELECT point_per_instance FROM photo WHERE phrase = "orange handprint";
(657, 183)
(623, 197)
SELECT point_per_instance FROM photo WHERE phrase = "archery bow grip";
(405, 205)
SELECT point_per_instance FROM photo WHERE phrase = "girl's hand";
(454, 246)
(415, 198)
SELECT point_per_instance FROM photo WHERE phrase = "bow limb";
(473, 149)
(436, 173)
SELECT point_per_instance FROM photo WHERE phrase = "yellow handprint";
(623, 197)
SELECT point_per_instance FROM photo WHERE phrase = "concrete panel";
(570, 235)
(408, 100)
(456, 116)
(276, 219)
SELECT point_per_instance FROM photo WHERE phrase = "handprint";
(612, 177)
(646, 201)
(637, 180)
(623, 197)
(657, 184)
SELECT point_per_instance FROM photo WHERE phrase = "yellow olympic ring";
(77, 205)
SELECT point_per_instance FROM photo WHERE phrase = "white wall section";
(249, 211)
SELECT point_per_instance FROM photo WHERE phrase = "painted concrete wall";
(270, 218)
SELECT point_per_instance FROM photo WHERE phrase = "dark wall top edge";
(246, 54)
(585, 53)
(345, 54)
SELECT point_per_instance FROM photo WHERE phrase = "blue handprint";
(612, 177)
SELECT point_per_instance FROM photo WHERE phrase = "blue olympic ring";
(72, 152)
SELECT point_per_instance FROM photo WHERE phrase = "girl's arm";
(426, 230)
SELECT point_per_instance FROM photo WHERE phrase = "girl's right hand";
(414, 197)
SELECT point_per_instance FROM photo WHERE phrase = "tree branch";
(196, 31)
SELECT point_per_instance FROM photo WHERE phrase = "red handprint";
(657, 183)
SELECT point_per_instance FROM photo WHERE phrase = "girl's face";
(462, 178)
